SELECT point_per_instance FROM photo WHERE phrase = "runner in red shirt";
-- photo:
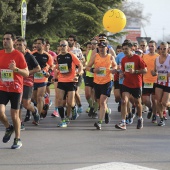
(132, 67)
(33, 67)
(13, 68)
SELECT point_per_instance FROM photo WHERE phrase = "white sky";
(159, 20)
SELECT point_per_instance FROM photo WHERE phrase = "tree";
(56, 19)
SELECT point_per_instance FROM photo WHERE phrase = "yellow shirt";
(88, 73)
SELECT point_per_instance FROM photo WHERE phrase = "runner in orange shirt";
(41, 78)
(102, 78)
(148, 90)
(67, 78)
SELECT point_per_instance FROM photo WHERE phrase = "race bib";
(101, 72)
(162, 77)
(39, 75)
(7, 75)
(63, 68)
(129, 65)
(148, 85)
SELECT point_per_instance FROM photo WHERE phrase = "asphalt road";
(80, 145)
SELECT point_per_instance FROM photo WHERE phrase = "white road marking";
(115, 166)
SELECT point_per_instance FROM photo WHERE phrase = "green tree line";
(56, 19)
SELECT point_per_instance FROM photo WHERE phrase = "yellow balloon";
(114, 20)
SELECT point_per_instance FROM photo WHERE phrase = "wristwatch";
(136, 71)
(16, 70)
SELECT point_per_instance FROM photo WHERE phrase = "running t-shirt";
(77, 52)
(135, 62)
(118, 61)
(104, 63)
(150, 62)
(45, 60)
(54, 55)
(163, 70)
(32, 63)
(66, 65)
(88, 73)
(11, 81)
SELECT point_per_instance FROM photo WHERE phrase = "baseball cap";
(102, 37)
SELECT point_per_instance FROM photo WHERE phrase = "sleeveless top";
(88, 73)
(104, 63)
(163, 70)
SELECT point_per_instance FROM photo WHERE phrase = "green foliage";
(56, 19)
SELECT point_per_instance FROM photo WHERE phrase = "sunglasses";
(162, 48)
(63, 45)
(142, 45)
(138, 52)
(101, 47)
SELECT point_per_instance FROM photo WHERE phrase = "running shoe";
(121, 126)
(87, 110)
(27, 116)
(161, 123)
(98, 125)
(51, 103)
(127, 120)
(55, 114)
(62, 124)
(67, 120)
(80, 109)
(91, 112)
(8, 134)
(36, 117)
(74, 114)
(130, 118)
(149, 115)
(94, 115)
(45, 110)
(107, 118)
(154, 119)
(22, 126)
(164, 115)
(17, 144)
(140, 123)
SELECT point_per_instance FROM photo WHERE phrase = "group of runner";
(139, 75)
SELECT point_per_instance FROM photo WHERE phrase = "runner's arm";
(35, 70)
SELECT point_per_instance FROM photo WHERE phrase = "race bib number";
(162, 77)
(7, 75)
(63, 68)
(101, 72)
(39, 75)
(129, 65)
(148, 85)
